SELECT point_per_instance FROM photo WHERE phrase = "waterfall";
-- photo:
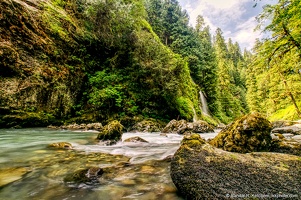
(195, 117)
(204, 106)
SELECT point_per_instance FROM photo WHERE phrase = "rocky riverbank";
(229, 166)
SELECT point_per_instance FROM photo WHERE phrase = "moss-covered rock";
(201, 171)
(201, 127)
(147, 125)
(173, 126)
(25, 119)
(111, 133)
(250, 133)
(183, 126)
(61, 145)
(193, 140)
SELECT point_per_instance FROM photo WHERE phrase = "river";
(31, 170)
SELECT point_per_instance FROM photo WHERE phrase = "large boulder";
(111, 133)
(201, 171)
(250, 133)
(174, 125)
(183, 126)
(148, 125)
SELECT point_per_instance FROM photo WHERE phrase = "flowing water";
(204, 106)
(30, 170)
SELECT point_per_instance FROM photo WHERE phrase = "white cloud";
(234, 17)
(245, 34)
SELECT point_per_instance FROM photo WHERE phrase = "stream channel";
(30, 170)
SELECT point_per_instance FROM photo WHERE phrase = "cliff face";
(66, 59)
(36, 71)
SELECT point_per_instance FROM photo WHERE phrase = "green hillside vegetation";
(84, 61)
(274, 73)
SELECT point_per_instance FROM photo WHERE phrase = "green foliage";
(273, 75)
(231, 85)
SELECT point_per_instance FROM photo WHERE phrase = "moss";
(205, 172)
(26, 119)
(111, 132)
(287, 113)
(248, 134)
(193, 140)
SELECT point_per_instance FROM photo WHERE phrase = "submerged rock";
(61, 145)
(10, 175)
(250, 133)
(201, 171)
(135, 139)
(183, 126)
(111, 133)
(88, 176)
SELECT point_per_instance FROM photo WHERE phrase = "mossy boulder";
(201, 171)
(148, 125)
(60, 145)
(111, 133)
(183, 126)
(250, 133)
(202, 127)
(174, 125)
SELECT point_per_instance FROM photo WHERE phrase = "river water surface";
(30, 170)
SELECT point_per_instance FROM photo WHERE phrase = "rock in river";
(248, 134)
(111, 133)
(183, 126)
(201, 171)
(61, 145)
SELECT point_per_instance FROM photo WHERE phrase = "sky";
(236, 18)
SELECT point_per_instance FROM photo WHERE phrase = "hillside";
(87, 60)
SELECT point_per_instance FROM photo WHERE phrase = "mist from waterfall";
(204, 106)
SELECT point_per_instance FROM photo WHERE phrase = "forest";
(83, 61)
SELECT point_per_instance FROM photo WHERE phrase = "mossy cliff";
(80, 58)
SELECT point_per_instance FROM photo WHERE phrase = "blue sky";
(236, 18)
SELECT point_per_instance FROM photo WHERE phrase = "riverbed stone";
(111, 133)
(135, 139)
(9, 175)
(201, 171)
(61, 145)
(89, 176)
(250, 133)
